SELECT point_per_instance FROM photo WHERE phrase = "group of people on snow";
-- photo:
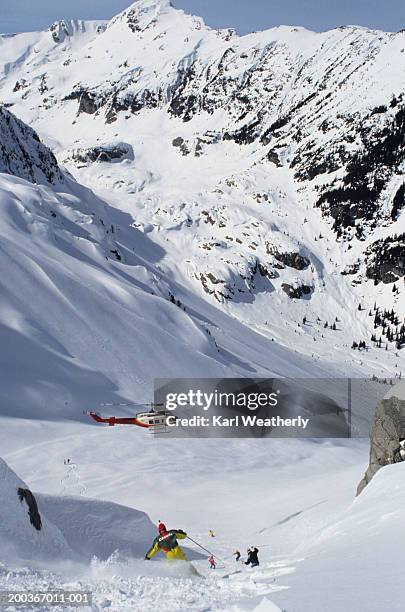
(252, 556)
(167, 542)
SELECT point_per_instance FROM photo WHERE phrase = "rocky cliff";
(387, 437)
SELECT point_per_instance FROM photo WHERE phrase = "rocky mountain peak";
(143, 14)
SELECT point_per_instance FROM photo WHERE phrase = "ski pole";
(206, 550)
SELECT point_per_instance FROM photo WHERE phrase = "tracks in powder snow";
(133, 586)
(249, 585)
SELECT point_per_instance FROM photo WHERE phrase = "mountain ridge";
(242, 157)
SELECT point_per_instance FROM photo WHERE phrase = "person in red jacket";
(212, 562)
(167, 542)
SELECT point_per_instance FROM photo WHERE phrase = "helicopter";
(154, 420)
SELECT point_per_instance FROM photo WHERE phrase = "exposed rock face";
(292, 260)
(240, 285)
(369, 170)
(103, 153)
(398, 203)
(181, 144)
(33, 512)
(386, 438)
(296, 292)
(386, 259)
(23, 154)
(65, 29)
(60, 30)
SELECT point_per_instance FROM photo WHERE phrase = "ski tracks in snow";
(72, 483)
(134, 586)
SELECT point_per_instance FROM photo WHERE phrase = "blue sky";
(243, 15)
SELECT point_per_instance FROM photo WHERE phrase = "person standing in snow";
(212, 562)
(166, 542)
(236, 554)
(211, 534)
(252, 559)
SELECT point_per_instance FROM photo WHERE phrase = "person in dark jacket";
(252, 559)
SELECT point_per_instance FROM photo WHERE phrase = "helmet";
(162, 528)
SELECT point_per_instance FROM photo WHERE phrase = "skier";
(252, 559)
(166, 541)
(211, 534)
(212, 562)
(236, 554)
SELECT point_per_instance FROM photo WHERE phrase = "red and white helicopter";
(155, 420)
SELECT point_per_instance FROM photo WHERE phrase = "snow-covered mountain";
(267, 167)
(87, 314)
(181, 201)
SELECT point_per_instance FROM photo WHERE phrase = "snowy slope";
(18, 538)
(267, 167)
(72, 528)
(293, 499)
(94, 528)
(90, 318)
(191, 197)
(354, 561)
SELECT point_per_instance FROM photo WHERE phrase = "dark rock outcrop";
(292, 260)
(387, 437)
(296, 292)
(89, 103)
(367, 172)
(386, 259)
(181, 144)
(398, 203)
(61, 30)
(22, 153)
(103, 153)
(33, 512)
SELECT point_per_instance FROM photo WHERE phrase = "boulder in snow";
(387, 437)
(298, 292)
